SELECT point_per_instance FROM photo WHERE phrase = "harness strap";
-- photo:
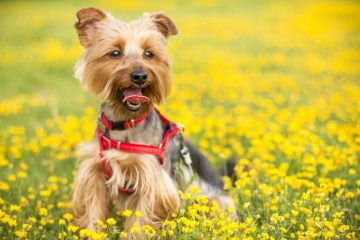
(105, 123)
(106, 143)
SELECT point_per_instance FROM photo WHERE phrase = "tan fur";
(85, 25)
(105, 76)
(91, 199)
(156, 193)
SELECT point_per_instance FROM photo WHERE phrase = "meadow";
(274, 85)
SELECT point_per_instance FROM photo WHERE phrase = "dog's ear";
(163, 23)
(86, 24)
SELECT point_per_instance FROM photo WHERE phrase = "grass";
(275, 85)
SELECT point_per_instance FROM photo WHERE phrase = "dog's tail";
(230, 167)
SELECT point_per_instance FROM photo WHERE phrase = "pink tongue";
(134, 95)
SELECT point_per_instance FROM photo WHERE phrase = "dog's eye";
(148, 54)
(115, 54)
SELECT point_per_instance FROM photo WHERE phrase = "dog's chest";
(147, 135)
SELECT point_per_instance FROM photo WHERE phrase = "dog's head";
(125, 63)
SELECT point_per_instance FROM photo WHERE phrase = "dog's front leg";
(91, 199)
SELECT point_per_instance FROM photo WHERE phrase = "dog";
(138, 160)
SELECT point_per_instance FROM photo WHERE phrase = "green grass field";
(274, 84)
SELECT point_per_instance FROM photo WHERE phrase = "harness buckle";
(118, 145)
(132, 123)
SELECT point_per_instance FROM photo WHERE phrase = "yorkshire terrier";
(138, 160)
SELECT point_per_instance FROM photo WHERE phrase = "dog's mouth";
(133, 98)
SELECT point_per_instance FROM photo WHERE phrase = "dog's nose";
(138, 77)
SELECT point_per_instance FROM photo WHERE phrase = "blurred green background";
(274, 84)
(39, 46)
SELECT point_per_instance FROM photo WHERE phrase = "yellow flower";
(202, 199)
(14, 208)
(43, 212)
(22, 174)
(227, 182)
(344, 228)
(127, 213)
(138, 214)
(294, 213)
(349, 195)
(24, 201)
(12, 222)
(53, 179)
(72, 228)
(247, 192)
(351, 236)
(98, 236)
(193, 189)
(101, 224)
(135, 229)
(170, 223)
(12, 178)
(187, 229)
(123, 234)
(171, 233)
(149, 230)
(230, 209)
(84, 233)
(23, 166)
(31, 196)
(4, 186)
(111, 221)
(62, 235)
(20, 234)
(26, 227)
(305, 196)
(45, 193)
(42, 221)
(264, 236)
(3, 162)
(352, 171)
(274, 208)
(61, 221)
(68, 216)
(358, 183)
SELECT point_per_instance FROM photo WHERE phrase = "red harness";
(106, 143)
